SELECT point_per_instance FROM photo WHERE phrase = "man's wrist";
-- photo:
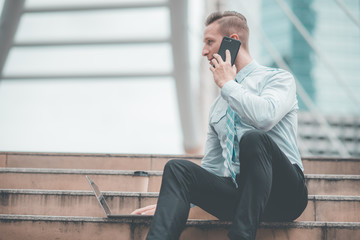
(227, 88)
(221, 84)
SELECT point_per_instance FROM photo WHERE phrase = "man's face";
(212, 40)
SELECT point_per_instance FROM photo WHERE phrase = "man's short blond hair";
(231, 22)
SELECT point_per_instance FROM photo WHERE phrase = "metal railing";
(348, 12)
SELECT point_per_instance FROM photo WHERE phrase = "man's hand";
(149, 210)
(222, 71)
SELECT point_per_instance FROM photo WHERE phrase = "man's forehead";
(211, 31)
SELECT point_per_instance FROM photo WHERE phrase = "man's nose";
(205, 52)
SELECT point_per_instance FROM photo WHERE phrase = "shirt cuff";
(228, 88)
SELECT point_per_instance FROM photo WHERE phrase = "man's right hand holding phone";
(222, 70)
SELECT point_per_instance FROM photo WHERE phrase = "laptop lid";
(99, 197)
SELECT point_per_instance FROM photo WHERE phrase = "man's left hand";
(222, 71)
(148, 210)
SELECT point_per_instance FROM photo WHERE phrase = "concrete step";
(321, 184)
(83, 203)
(136, 227)
(77, 203)
(126, 181)
(150, 162)
(74, 179)
(338, 166)
(144, 162)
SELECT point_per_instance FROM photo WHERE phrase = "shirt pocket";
(217, 116)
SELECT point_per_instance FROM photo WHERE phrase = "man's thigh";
(288, 196)
(216, 195)
(288, 193)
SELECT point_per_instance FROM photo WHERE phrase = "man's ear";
(234, 36)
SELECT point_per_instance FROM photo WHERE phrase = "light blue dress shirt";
(264, 99)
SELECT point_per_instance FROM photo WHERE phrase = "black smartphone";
(233, 45)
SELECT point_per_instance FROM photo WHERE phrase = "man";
(251, 170)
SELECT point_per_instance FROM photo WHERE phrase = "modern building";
(327, 63)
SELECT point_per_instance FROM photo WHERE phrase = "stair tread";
(122, 155)
(150, 172)
(76, 171)
(146, 194)
(147, 162)
(148, 218)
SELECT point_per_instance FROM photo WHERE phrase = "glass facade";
(337, 40)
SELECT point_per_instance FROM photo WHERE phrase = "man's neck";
(243, 60)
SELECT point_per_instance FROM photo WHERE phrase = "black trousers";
(270, 189)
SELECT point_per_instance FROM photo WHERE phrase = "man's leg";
(266, 176)
(183, 183)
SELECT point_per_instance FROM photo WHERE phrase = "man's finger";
(218, 58)
(149, 207)
(214, 62)
(144, 209)
(149, 212)
(137, 211)
(228, 56)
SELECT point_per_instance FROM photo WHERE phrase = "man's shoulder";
(273, 70)
(272, 73)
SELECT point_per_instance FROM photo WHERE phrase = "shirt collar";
(245, 71)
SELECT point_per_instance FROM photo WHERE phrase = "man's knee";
(252, 137)
(174, 163)
(178, 165)
(179, 169)
(253, 143)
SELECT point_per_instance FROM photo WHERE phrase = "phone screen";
(233, 45)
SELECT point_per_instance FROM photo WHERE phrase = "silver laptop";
(100, 197)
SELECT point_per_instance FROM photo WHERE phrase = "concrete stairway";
(46, 196)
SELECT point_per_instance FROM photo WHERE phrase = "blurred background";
(127, 76)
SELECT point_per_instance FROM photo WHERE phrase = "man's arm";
(263, 111)
(213, 151)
